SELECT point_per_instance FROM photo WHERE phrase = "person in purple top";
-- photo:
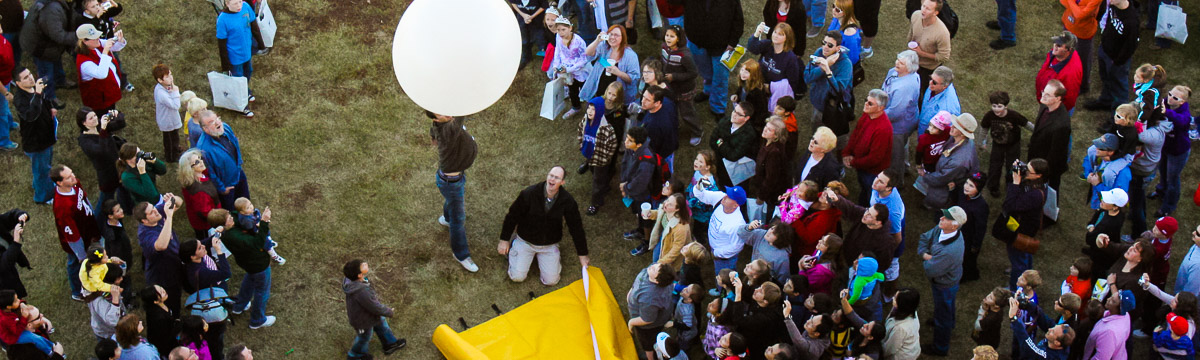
(160, 247)
(1175, 149)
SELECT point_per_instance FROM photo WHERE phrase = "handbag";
(266, 24)
(554, 99)
(209, 304)
(229, 92)
(1028, 244)
(1172, 23)
(838, 109)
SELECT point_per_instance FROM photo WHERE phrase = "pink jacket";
(1108, 338)
(819, 278)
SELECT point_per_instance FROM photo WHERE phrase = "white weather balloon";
(456, 57)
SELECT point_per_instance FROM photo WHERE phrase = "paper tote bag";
(229, 92)
(266, 24)
(1172, 23)
(554, 99)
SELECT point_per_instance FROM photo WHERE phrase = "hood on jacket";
(351, 287)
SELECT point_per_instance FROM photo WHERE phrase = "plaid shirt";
(606, 143)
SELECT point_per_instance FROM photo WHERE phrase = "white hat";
(966, 124)
(1116, 197)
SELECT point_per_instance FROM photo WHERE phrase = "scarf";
(593, 125)
(203, 185)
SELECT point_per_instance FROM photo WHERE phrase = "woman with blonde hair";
(191, 119)
(199, 194)
(818, 164)
(771, 170)
(750, 86)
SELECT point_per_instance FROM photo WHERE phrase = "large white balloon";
(456, 57)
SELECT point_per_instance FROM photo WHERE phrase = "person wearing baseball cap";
(959, 159)
(1108, 219)
(1113, 170)
(100, 82)
(1062, 64)
(724, 224)
(1174, 341)
(942, 250)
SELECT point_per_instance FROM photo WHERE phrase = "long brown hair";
(620, 49)
(755, 82)
(682, 211)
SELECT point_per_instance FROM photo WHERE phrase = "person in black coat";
(759, 319)
(537, 218)
(1051, 139)
(972, 201)
(206, 271)
(12, 225)
(1023, 203)
(38, 131)
(116, 241)
(100, 144)
(825, 167)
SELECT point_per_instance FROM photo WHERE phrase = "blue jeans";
(362, 341)
(586, 25)
(816, 14)
(52, 70)
(43, 188)
(719, 263)
(943, 316)
(6, 122)
(1169, 171)
(1006, 15)
(1115, 78)
(1020, 261)
(716, 77)
(245, 69)
(1137, 203)
(74, 261)
(864, 187)
(256, 287)
(454, 209)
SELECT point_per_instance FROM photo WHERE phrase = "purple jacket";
(1107, 340)
(1177, 141)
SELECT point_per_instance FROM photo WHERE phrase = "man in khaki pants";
(537, 218)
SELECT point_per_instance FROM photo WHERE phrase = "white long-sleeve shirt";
(722, 227)
(91, 71)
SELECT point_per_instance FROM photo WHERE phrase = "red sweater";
(6, 62)
(98, 93)
(929, 149)
(198, 205)
(11, 326)
(74, 218)
(871, 144)
(1070, 74)
(810, 228)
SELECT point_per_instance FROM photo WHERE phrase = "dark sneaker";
(994, 25)
(700, 98)
(592, 210)
(393, 347)
(641, 249)
(1001, 44)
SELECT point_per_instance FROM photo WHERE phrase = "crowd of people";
(821, 258)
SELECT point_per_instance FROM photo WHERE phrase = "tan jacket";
(674, 240)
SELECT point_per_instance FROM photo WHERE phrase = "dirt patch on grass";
(366, 16)
(307, 194)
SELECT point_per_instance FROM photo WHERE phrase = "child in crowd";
(985, 352)
(568, 60)
(598, 144)
(971, 200)
(191, 334)
(167, 103)
(1026, 292)
(92, 273)
(705, 173)
(750, 86)
(667, 348)
(1079, 282)
(195, 105)
(248, 219)
(719, 325)
(616, 113)
(1174, 342)
(796, 290)
(772, 244)
(1005, 132)
(106, 311)
(724, 287)
(929, 144)
(733, 347)
(785, 109)
(989, 321)
(689, 273)
(686, 320)
(821, 268)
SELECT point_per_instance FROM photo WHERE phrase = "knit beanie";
(1179, 325)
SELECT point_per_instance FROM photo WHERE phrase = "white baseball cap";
(1116, 197)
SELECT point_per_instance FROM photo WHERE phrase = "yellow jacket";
(92, 278)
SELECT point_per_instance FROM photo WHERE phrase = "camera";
(1020, 167)
(146, 155)
(603, 37)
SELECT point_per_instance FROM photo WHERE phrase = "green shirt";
(247, 248)
(142, 187)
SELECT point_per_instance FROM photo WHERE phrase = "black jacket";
(1120, 35)
(1024, 204)
(1051, 139)
(362, 306)
(796, 17)
(762, 327)
(977, 216)
(13, 255)
(54, 33)
(533, 223)
(826, 170)
(102, 149)
(38, 128)
(713, 24)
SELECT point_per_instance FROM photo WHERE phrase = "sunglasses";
(1176, 98)
(197, 162)
(1195, 233)
(828, 44)
(934, 82)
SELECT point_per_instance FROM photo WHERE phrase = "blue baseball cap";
(736, 193)
(1127, 301)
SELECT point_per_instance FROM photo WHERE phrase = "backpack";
(950, 18)
(838, 110)
(209, 304)
(660, 175)
(29, 38)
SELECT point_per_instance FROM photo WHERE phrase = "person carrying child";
(248, 218)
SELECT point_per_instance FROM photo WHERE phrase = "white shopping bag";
(554, 99)
(266, 24)
(1050, 209)
(656, 20)
(740, 170)
(1172, 23)
(229, 92)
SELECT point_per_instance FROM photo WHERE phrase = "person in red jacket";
(15, 319)
(199, 194)
(1062, 64)
(76, 222)
(99, 84)
(819, 220)
(870, 148)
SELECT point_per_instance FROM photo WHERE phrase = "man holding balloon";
(456, 152)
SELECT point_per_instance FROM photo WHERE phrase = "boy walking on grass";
(366, 313)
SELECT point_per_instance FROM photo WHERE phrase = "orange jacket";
(1079, 17)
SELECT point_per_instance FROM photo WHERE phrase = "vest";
(98, 93)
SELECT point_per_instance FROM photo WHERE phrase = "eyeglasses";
(197, 162)
(828, 44)
(1195, 233)
(1119, 116)
(872, 102)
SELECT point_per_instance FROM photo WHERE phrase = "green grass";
(345, 158)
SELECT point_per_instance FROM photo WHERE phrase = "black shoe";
(592, 210)
(391, 348)
(364, 357)
(994, 25)
(583, 168)
(68, 85)
(1153, 196)
(1096, 105)
(1160, 213)
(928, 349)
(700, 98)
(1001, 44)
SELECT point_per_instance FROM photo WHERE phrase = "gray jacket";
(956, 167)
(945, 268)
(54, 33)
(363, 308)
(1152, 144)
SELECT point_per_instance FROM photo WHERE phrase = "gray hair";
(909, 58)
(945, 73)
(880, 96)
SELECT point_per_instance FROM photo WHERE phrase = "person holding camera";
(12, 225)
(827, 68)
(76, 223)
(1058, 338)
(247, 249)
(160, 247)
(38, 131)
(97, 141)
(139, 173)
(100, 85)
(1021, 213)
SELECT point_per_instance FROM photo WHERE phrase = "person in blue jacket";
(829, 67)
(223, 155)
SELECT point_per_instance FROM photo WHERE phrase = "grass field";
(346, 160)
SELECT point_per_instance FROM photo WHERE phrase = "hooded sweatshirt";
(863, 283)
(363, 308)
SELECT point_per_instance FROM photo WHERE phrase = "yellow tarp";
(557, 325)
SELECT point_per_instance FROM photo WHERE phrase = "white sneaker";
(570, 113)
(442, 220)
(867, 52)
(270, 321)
(469, 265)
(278, 259)
(242, 310)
